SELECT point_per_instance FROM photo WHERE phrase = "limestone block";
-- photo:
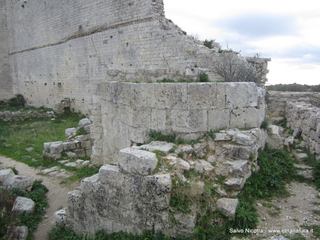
(5, 174)
(137, 161)
(185, 222)
(235, 183)
(222, 136)
(178, 163)
(200, 150)
(202, 166)
(219, 119)
(84, 122)
(18, 182)
(23, 205)
(69, 132)
(164, 147)
(239, 168)
(247, 118)
(60, 217)
(228, 206)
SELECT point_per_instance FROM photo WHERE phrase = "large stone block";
(23, 205)
(135, 161)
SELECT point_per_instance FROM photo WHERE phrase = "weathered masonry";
(63, 49)
(126, 112)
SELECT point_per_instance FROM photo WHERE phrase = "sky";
(288, 31)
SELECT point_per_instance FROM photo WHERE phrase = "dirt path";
(57, 195)
(301, 208)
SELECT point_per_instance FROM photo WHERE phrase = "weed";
(81, 131)
(158, 136)
(203, 77)
(264, 125)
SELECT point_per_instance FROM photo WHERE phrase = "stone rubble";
(23, 205)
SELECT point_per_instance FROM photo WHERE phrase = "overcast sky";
(288, 31)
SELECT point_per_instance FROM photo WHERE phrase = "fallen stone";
(200, 150)
(71, 155)
(202, 166)
(228, 207)
(79, 162)
(242, 139)
(5, 174)
(49, 170)
(239, 168)
(164, 147)
(185, 149)
(18, 233)
(178, 163)
(60, 217)
(187, 222)
(300, 156)
(23, 205)
(70, 132)
(274, 139)
(235, 183)
(18, 182)
(84, 122)
(71, 164)
(289, 141)
(222, 137)
(86, 163)
(137, 161)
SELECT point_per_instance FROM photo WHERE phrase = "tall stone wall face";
(301, 112)
(125, 113)
(62, 49)
(6, 87)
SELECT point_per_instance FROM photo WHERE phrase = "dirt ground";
(57, 195)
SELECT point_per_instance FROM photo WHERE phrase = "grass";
(16, 137)
(276, 169)
(37, 194)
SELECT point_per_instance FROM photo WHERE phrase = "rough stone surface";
(5, 174)
(275, 140)
(60, 217)
(202, 166)
(158, 146)
(302, 114)
(18, 233)
(136, 161)
(23, 205)
(228, 206)
(18, 182)
(116, 201)
(187, 109)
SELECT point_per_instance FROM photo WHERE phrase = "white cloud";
(295, 55)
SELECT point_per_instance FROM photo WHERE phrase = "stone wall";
(301, 112)
(277, 102)
(6, 87)
(135, 194)
(62, 49)
(125, 112)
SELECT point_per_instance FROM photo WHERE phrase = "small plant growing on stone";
(17, 101)
(264, 125)
(203, 77)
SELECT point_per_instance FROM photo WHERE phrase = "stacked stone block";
(128, 111)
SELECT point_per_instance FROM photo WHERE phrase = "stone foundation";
(125, 113)
(136, 194)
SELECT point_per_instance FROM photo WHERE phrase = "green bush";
(17, 101)
(203, 77)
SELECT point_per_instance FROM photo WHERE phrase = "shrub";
(264, 125)
(203, 77)
(17, 101)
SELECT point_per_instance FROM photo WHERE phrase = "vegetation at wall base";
(276, 169)
(37, 194)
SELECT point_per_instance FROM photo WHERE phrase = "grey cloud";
(259, 25)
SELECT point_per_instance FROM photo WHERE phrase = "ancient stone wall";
(301, 112)
(63, 49)
(126, 112)
(135, 195)
(6, 88)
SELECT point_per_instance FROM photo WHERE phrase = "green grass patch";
(276, 169)
(37, 194)
(17, 137)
